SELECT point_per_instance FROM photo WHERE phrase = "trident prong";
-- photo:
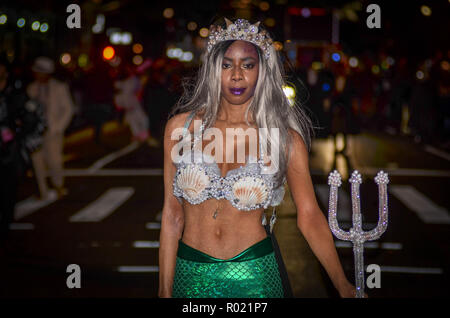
(356, 234)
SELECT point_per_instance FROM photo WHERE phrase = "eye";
(225, 65)
(249, 66)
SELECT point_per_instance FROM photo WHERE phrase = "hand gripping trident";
(356, 234)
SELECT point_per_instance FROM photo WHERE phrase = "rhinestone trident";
(356, 234)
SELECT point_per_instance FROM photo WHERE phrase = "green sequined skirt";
(253, 273)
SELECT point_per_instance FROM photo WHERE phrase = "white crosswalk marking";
(344, 209)
(138, 269)
(21, 226)
(113, 172)
(371, 245)
(113, 156)
(153, 226)
(146, 244)
(412, 270)
(437, 152)
(31, 205)
(428, 211)
(103, 206)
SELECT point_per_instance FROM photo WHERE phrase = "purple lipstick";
(237, 91)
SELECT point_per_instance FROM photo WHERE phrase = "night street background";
(384, 93)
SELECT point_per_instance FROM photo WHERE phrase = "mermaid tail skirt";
(253, 273)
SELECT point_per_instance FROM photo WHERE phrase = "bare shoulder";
(175, 122)
(297, 144)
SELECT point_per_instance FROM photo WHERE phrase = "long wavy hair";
(269, 106)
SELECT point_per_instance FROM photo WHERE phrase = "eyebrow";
(242, 59)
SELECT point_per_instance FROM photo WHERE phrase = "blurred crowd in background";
(128, 60)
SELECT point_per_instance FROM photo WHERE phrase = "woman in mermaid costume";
(215, 241)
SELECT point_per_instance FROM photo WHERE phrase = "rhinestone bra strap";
(260, 159)
(186, 126)
(189, 119)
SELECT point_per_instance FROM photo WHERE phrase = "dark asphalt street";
(108, 224)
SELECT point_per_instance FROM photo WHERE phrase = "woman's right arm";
(172, 221)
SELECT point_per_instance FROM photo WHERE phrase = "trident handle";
(356, 234)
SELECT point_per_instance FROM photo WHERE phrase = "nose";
(237, 74)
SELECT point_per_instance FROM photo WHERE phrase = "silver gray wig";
(269, 105)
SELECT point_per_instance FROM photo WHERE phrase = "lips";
(237, 91)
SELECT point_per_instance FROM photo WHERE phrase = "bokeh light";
(353, 61)
(108, 52)
(35, 25)
(278, 45)
(192, 26)
(375, 69)
(65, 58)
(326, 87)
(420, 75)
(44, 27)
(168, 13)
(264, 6)
(3, 19)
(137, 60)
(186, 56)
(390, 60)
(426, 11)
(289, 92)
(21, 22)
(316, 65)
(137, 48)
(83, 60)
(203, 32)
(270, 22)
(336, 57)
(305, 12)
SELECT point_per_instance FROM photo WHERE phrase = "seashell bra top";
(246, 188)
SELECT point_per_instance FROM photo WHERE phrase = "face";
(240, 68)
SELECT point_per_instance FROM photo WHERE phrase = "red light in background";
(314, 11)
(108, 53)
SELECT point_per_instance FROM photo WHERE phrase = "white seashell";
(250, 191)
(192, 181)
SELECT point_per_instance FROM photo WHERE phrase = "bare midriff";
(230, 233)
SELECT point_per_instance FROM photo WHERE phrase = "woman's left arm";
(310, 219)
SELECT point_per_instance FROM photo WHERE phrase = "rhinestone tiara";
(241, 29)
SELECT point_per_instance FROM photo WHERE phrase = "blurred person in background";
(158, 99)
(58, 107)
(22, 125)
(98, 100)
(127, 98)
